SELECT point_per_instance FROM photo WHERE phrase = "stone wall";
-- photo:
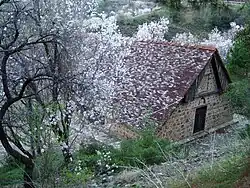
(181, 122)
(122, 131)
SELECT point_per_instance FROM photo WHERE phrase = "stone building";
(177, 86)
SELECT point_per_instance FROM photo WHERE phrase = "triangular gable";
(214, 78)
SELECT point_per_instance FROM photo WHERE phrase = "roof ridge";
(197, 46)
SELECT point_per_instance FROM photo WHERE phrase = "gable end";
(216, 72)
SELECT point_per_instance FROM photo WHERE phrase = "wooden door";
(200, 118)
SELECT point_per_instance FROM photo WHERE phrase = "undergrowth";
(101, 162)
(199, 22)
(146, 150)
(225, 173)
(10, 173)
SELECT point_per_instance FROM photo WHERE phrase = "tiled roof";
(157, 78)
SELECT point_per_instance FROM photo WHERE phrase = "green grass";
(146, 150)
(223, 174)
(10, 175)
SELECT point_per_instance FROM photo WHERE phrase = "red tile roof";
(157, 78)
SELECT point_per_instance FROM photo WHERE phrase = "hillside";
(66, 66)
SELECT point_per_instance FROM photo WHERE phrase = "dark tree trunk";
(26, 160)
(67, 155)
(28, 176)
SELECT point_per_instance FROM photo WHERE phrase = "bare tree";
(25, 71)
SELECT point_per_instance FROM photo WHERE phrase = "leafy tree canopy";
(239, 68)
(239, 57)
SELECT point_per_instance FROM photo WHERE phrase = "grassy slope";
(198, 22)
(225, 174)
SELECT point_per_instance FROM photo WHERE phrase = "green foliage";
(96, 158)
(186, 19)
(74, 178)
(245, 134)
(221, 18)
(245, 12)
(48, 165)
(223, 174)
(174, 4)
(11, 172)
(239, 69)
(239, 95)
(228, 171)
(239, 60)
(146, 150)
(88, 154)
(128, 26)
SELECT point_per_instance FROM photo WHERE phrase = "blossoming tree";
(61, 62)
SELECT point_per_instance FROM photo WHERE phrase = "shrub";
(11, 172)
(52, 171)
(239, 96)
(174, 4)
(48, 167)
(239, 60)
(77, 176)
(97, 158)
(245, 133)
(146, 150)
(239, 63)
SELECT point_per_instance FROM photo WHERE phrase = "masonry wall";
(180, 124)
(122, 131)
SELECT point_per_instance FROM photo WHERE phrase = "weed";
(223, 174)
(145, 150)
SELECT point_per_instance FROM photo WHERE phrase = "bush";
(129, 25)
(174, 4)
(10, 175)
(239, 96)
(96, 158)
(51, 170)
(198, 22)
(78, 176)
(48, 167)
(91, 160)
(239, 63)
(11, 172)
(245, 134)
(146, 150)
(239, 60)
(88, 154)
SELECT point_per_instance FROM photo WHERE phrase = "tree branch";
(16, 31)
(3, 2)
(18, 144)
(4, 76)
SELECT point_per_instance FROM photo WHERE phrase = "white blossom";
(223, 41)
(153, 30)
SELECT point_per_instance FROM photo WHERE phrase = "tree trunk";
(28, 174)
